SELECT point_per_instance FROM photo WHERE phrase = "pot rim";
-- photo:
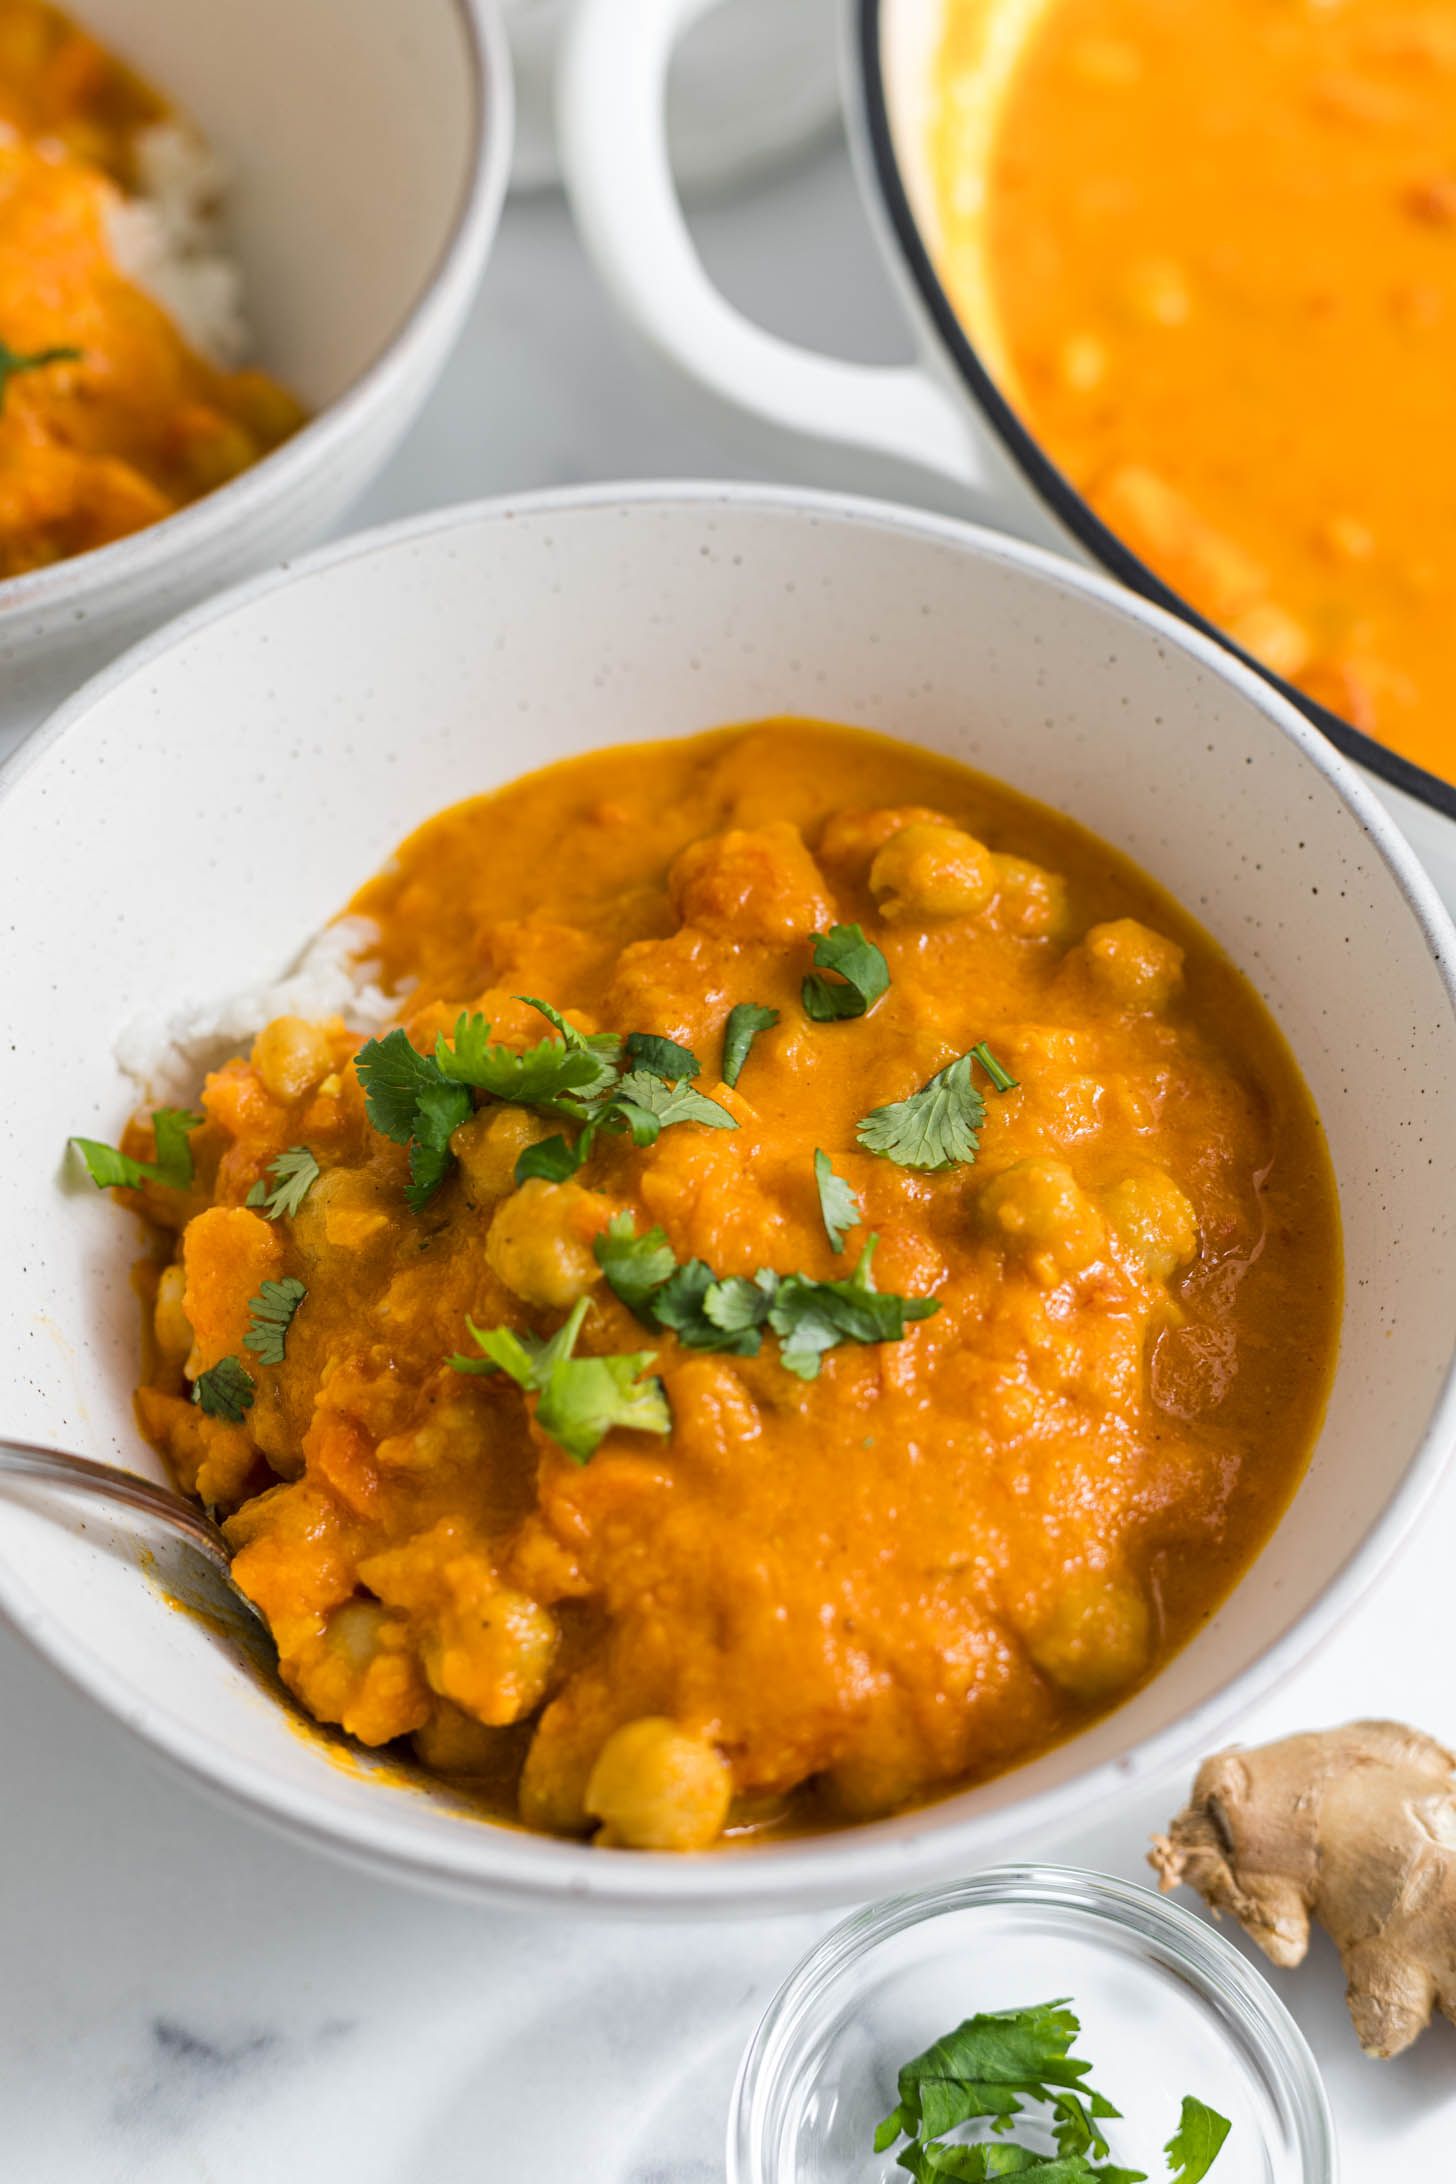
(1048, 482)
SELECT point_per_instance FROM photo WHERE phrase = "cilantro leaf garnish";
(682, 1303)
(528, 1078)
(837, 1202)
(988, 2071)
(811, 1317)
(663, 1057)
(113, 1170)
(272, 1315)
(1001, 1078)
(634, 1265)
(745, 1021)
(808, 1316)
(670, 1103)
(863, 976)
(13, 362)
(935, 1127)
(294, 1175)
(552, 1160)
(578, 1399)
(420, 1100)
(1196, 2144)
(225, 1390)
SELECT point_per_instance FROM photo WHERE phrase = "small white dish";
(367, 145)
(271, 750)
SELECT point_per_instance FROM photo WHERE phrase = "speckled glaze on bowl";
(367, 145)
(274, 747)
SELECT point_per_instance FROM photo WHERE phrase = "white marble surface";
(185, 1999)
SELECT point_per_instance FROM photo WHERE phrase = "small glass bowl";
(1167, 2007)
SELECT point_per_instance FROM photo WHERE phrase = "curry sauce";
(792, 1587)
(1209, 247)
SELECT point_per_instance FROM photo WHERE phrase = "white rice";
(168, 1057)
(167, 239)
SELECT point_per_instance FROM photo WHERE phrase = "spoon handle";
(24, 1460)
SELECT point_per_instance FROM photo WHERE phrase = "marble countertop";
(186, 1999)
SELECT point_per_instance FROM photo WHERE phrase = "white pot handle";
(613, 128)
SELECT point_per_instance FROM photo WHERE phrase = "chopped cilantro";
(12, 363)
(670, 1103)
(272, 1309)
(987, 2072)
(553, 1160)
(682, 1304)
(294, 1175)
(863, 976)
(420, 1100)
(225, 1390)
(837, 1202)
(745, 1021)
(935, 1127)
(112, 1170)
(578, 1399)
(809, 1317)
(1001, 1078)
(1197, 2142)
(663, 1057)
(634, 1265)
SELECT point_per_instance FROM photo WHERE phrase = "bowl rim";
(1047, 480)
(1207, 1961)
(493, 1861)
(79, 580)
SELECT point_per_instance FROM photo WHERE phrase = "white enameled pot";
(276, 744)
(367, 144)
(938, 431)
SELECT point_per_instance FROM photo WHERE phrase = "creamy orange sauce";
(812, 1598)
(137, 424)
(1211, 245)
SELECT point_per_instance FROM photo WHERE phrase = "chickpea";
(539, 1245)
(355, 1631)
(852, 839)
(1038, 1208)
(489, 1145)
(1030, 901)
(291, 1057)
(452, 1742)
(493, 1659)
(1153, 1223)
(552, 1792)
(1273, 635)
(751, 884)
(1097, 1637)
(928, 872)
(1133, 965)
(170, 1324)
(655, 1787)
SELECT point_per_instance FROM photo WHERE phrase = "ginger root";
(1355, 1827)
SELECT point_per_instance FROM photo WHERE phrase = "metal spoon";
(82, 1475)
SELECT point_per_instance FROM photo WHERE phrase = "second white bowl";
(367, 144)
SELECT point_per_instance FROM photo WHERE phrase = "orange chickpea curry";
(1209, 247)
(842, 1332)
(109, 420)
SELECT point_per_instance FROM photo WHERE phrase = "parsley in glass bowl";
(1114, 1999)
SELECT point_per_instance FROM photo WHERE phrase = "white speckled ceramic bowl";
(367, 144)
(272, 748)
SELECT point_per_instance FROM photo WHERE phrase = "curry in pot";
(824, 1287)
(1208, 248)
